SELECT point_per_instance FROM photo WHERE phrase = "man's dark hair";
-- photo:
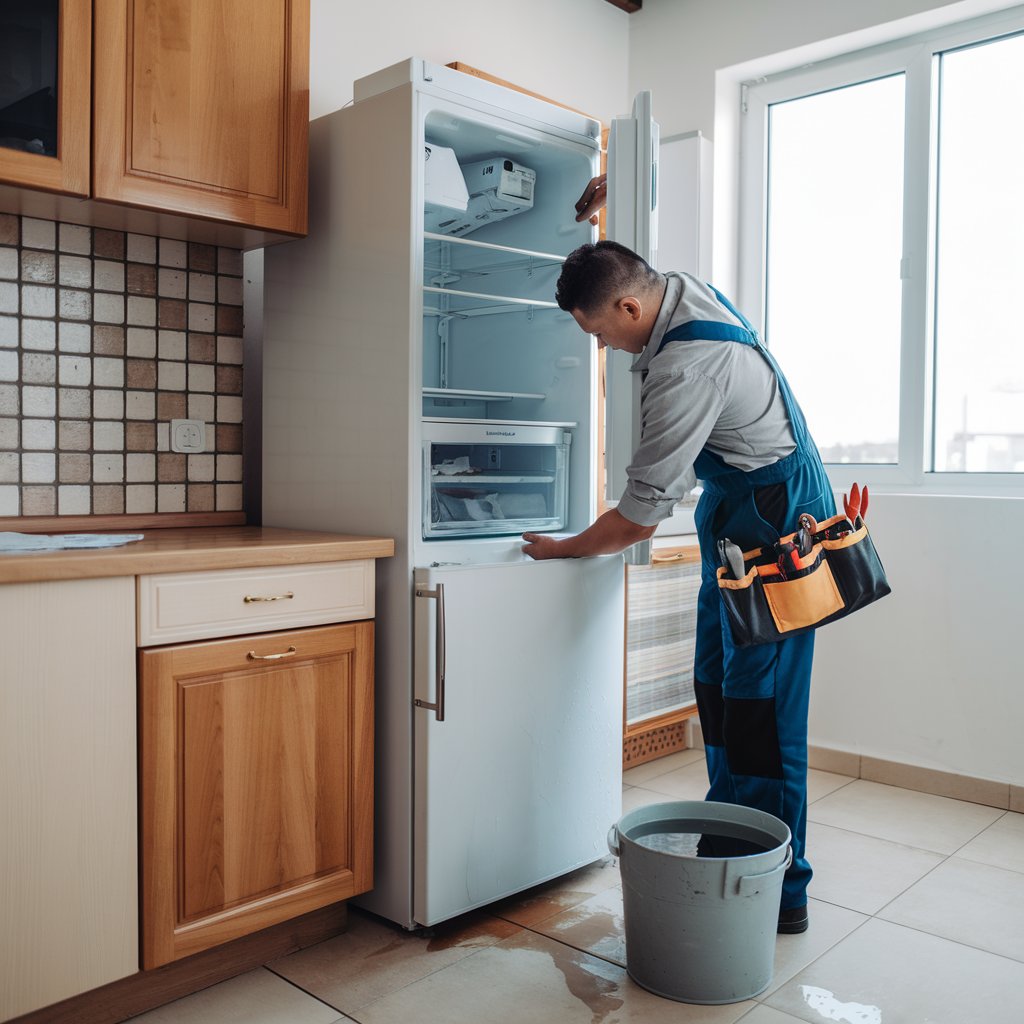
(593, 275)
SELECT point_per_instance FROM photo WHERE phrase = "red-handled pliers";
(857, 505)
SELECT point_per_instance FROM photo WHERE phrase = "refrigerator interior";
(495, 345)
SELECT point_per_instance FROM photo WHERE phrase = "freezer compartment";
(518, 777)
(485, 478)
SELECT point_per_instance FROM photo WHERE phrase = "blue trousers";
(753, 701)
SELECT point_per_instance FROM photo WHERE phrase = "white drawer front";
(175, 607)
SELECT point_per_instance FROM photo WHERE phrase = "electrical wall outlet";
(188, 436)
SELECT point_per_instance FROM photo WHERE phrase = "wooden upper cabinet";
(32, 55)
(201, 108)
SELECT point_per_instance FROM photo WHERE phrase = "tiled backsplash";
(105, 337)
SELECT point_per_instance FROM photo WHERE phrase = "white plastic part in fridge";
(420, 382)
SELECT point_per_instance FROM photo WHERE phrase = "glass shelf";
(490, 478)
(461, 266)
(462, 305)
(481, 257)
(468, 394)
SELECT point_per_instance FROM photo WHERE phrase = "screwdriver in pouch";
(731, 557)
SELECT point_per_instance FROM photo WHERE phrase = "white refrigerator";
(424, 385)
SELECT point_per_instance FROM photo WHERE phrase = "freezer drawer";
(489, 479)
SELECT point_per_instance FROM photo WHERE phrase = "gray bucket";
(700, 929)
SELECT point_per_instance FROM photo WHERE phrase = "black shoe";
(793, 921)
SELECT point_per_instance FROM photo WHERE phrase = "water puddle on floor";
(475, 934)
(588, 983)
(830, 1008)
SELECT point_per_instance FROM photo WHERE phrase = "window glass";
(832, 278)
(979, 334)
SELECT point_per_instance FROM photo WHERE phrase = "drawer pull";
(253, 656)
(287, 596)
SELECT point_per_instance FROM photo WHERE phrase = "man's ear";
(631, 306)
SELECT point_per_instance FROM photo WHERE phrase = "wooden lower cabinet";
(256, 758)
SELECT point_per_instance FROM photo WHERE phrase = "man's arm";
(610, 533)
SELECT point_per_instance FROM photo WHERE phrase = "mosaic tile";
(105, 337)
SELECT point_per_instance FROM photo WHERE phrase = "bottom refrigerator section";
(518, 728)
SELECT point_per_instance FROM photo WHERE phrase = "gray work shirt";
(718, 394)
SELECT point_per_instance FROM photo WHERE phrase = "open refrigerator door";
(632, 221)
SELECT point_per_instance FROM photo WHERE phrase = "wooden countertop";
(191, 549)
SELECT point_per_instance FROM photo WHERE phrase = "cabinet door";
(46, 57)
(256, 783)
(202, 108)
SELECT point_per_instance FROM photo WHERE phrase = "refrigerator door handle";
(439, 652)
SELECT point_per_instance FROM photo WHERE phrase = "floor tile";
(829, 925)
(258, 997)
(595, 926)
(928, 822)
(531, 978)
(975, 904)
(767, 1015)
(821, 783)
(860, 872)
(885, 974)
(651, 769)
(1001, 844)
(639, 796)
(689, 782)
(375, 957)
(544, 901)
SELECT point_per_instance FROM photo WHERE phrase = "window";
(881, 228)
(979, 335)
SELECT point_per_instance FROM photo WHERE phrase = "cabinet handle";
(439, 653)
(287, 596)
(253, 656)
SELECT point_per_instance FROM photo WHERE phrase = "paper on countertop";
(55, 542)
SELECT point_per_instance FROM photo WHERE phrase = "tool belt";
(809, 578)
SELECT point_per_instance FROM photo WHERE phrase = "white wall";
(679, 47)
(931, 675)
(572, 51)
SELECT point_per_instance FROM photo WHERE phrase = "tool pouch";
(784, 593)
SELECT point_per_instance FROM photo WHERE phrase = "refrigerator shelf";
(468, 394)
(469, 244)
(438, 479)
(480, 304)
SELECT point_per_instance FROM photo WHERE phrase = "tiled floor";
(916, 912)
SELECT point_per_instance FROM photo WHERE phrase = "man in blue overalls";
(715, 407)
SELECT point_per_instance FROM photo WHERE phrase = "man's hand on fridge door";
(540, 546)
(610, 533)
(593, 199)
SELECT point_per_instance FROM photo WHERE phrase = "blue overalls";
(753, 701)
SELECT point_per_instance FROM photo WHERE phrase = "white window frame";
(917, 58)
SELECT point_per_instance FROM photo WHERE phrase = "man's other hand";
(593, 199)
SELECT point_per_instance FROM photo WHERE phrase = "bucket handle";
(613, 840)
(749, 885)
